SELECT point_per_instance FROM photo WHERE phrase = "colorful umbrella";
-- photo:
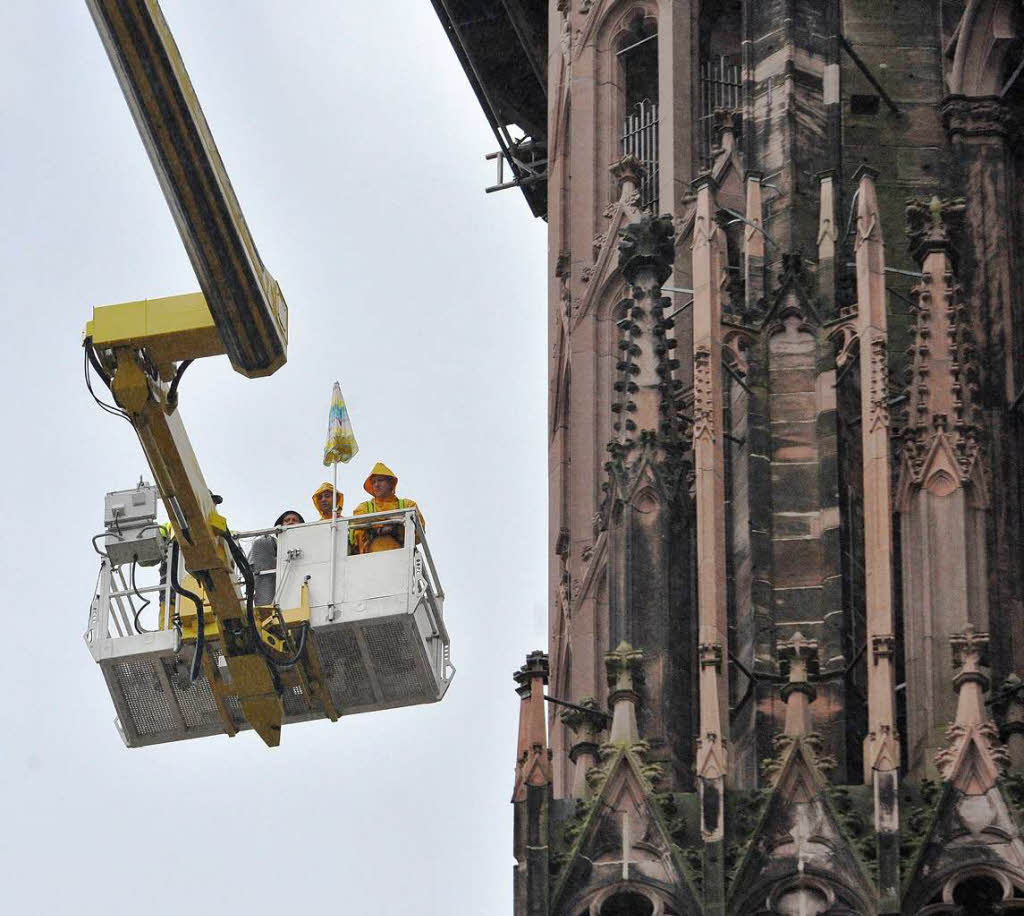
(341, 442)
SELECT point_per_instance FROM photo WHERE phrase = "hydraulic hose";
(172, 392)
(250, 587)
(145, 601)
(197, 659)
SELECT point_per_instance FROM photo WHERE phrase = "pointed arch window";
(720, 82)
(638, 58)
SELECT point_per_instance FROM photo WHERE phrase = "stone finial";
(647, 245)
(727, 125)
(970, 649)
(623, 666)
(536, 666)
(971, 727)
(533, 764)
(935, 225)
(587, 721)
(628, 172)
(625, 673)
(798, 693)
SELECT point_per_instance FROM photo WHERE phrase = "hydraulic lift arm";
(244, 299)
(135, 344)
(241, 312)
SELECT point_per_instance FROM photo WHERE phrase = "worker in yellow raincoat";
(381, 486)
(323, 499)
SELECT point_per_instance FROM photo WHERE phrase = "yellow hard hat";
(380, 468)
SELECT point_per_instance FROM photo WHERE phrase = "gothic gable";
(792, 295)
(973, 832)
(622, 836)
(798, 851)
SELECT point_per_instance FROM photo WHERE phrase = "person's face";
(291, 519)
(325, 501)
(382, 486)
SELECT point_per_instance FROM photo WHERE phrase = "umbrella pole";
(334, 540)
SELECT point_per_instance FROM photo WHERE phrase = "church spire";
(531, 796)
(709, 467)
(533, 759)
(881, 745)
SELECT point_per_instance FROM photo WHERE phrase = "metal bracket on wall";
(863, 67)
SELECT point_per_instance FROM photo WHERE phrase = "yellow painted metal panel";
(170, 329)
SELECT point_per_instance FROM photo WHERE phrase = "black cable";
(95, 538)
(172, 392)
(90, 353)
(250, 587)
(197, 659)
(145, 601)
(297, 657)
(108, 408)
(250, 583)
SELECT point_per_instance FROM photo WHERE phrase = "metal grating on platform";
(295, 702)
(395, 660)
(344, 668)
(195, 701)
(144, 696)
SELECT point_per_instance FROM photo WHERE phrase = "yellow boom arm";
(244, 299)
(131, 338)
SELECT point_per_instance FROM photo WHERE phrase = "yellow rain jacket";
(330, 489)
(387, 536)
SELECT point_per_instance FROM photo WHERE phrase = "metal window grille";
(640, 139)
(720, 87)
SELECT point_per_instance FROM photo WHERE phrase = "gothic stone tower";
(786, 395)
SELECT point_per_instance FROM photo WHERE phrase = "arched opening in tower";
(627, 903)
(638, 59)
(979, 896)
(720, 82)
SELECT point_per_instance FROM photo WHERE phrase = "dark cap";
(280, 518)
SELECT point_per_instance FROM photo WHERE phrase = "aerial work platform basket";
(375, 634)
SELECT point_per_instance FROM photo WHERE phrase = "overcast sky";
(356, 147)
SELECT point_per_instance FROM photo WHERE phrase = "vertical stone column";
(753, 237)
(646, 252)
(941, 487)
(709, 467)
(828, 234)
(792, 96)
(531, 796)
(648, 542)
(881, 745)
(676, 103)
(983, 132)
